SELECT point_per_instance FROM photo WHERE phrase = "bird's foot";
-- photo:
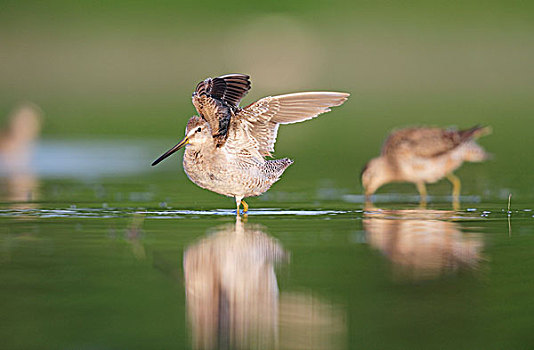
(245, 207)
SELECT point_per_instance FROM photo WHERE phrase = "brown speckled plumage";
(426, 142)
(227, 144)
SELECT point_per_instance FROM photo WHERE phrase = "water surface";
(338, 279)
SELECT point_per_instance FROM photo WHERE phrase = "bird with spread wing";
(226, 145)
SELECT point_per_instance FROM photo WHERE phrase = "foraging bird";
(423, 155)
(226, 145)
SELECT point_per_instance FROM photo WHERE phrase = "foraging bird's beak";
(181, 144)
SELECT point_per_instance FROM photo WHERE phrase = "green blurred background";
(121, 69)
(114, 81)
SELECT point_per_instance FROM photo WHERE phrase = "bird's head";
(375, 174)
(197, 134)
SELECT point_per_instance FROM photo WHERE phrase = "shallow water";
(151, 261)
(117, 278)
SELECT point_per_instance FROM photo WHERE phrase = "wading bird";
(423, 155)
(226, 145)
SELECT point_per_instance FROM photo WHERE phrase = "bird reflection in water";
(422, 244)
(233, 300)
(16, 150)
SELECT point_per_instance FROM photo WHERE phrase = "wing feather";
(230, 88)
(263, 117)
(216, 99)
(427, 142)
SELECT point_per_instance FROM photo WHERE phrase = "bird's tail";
(276, 167)
(475, 153)
(476, 132)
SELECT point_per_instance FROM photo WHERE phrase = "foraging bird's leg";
(422, 194)
(456, 186)
(368, 203)
(245, 207)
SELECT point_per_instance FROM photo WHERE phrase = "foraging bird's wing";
(426, 142)
(262, 118)
(216, 99)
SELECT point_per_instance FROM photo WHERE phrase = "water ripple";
(160, 214)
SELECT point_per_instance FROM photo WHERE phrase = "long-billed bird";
(226, 145)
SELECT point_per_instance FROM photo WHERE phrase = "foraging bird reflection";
(421, 245)
(226, 145)
(233, 300)
(424, 155)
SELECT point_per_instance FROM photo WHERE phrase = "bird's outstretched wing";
(262, 118)
(216, 99)
(428, 142)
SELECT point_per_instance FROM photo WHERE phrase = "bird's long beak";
(181, 144)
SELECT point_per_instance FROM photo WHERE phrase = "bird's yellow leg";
(422, 194)
(456, 187)
(238, 204)
(245, 206)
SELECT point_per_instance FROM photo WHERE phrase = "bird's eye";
(199, 130)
